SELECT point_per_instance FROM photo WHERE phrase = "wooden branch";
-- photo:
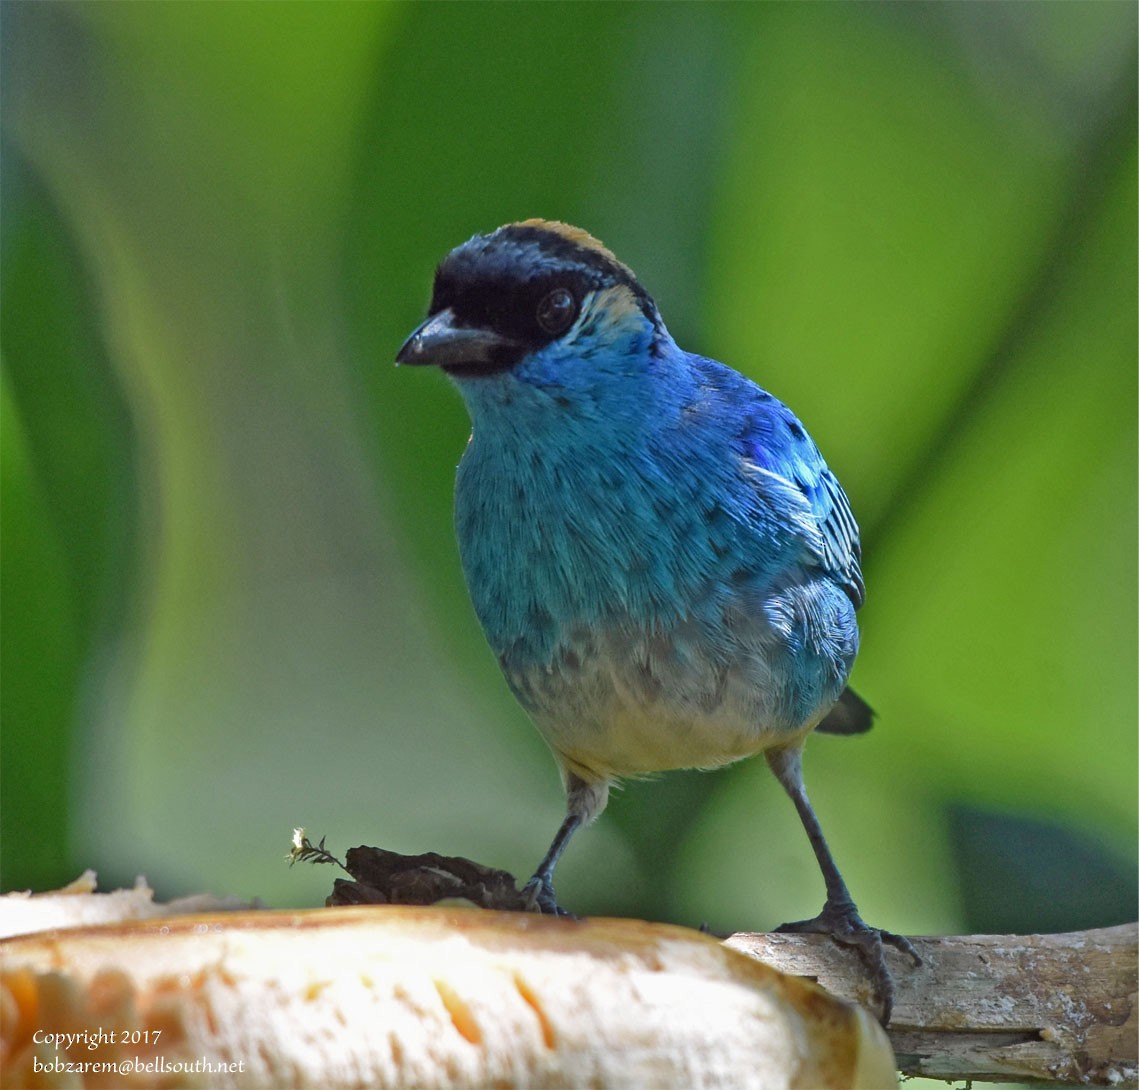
(998, 1008)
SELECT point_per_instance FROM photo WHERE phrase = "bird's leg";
(540, 888)
(839, 917)
(585, 799)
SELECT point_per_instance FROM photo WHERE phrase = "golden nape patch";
(619, 305)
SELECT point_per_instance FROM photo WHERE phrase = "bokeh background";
(232, 601)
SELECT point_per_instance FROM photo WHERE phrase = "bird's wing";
(842, 553)
(785, 460)
(819, 512)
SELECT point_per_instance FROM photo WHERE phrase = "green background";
(232, 601)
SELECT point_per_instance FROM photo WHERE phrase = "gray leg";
(541, 885)
(584, 801)
(839, 917)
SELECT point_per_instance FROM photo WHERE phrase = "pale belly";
(615, 707)
(633, 741)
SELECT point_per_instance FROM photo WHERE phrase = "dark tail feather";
(851, 715)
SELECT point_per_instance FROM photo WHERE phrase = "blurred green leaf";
(37, 707)
(1020, 875)
(68, 519)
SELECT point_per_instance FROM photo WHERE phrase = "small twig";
(383, 877)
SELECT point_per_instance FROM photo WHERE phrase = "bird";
(661, 560)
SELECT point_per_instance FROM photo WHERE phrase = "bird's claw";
(539, 894)
(842, 922)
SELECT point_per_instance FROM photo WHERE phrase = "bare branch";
(1014, 1008)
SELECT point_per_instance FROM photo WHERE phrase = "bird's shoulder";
(780, 456)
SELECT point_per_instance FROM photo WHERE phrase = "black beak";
(441, 343)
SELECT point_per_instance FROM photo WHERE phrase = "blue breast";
(679, 498)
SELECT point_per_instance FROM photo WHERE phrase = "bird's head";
(538, 302)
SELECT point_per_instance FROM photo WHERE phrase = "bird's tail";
(851, 715)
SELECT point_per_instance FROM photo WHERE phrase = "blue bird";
(660, 558)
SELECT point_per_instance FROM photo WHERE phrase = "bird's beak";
(441, 343)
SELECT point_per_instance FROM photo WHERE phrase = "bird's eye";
(557, 311)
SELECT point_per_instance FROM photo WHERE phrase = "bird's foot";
(539, 894)
(840, 920)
